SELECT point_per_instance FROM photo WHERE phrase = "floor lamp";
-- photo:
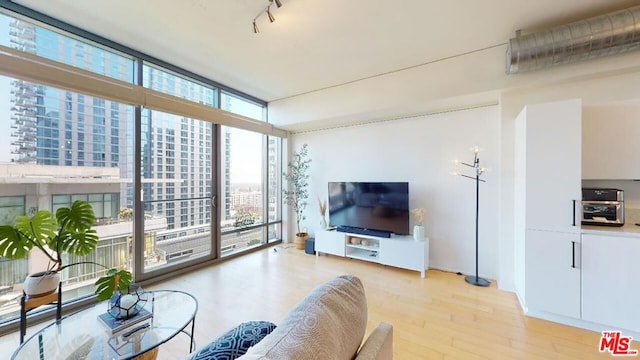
(475, 280)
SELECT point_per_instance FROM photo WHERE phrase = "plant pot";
(299, 241)
(41, 283)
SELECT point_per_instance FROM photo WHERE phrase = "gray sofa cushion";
(379, 344)
(235, 342)
(327, 324)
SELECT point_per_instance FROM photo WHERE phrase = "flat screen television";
(381, 206)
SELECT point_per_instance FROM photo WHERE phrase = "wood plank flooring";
(439, 317)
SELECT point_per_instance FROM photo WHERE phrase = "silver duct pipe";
(603, 35)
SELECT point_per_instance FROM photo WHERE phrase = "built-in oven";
(602, 207)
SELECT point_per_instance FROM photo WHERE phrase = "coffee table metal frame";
(172, 310)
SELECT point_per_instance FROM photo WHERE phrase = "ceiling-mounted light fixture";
(270, 15)
(266, 10)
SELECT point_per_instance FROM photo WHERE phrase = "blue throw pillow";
(235, 342)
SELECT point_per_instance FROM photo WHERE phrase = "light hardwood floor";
(439, 317)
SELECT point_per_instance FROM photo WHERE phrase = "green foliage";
(76, 236)
(253, 242)
(244, 217)
(126, 214)
(297, 178)
(17, 241)
(70, 231)
(114, 280)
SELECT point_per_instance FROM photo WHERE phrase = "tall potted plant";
(70, 231)
(296, 196)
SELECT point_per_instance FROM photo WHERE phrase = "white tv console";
(399, 251)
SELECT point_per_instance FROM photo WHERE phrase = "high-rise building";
(226, 176)
(57, 127)
(24, 99)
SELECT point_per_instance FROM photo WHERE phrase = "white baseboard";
(579, 323)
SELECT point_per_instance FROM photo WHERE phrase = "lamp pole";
(471, 279)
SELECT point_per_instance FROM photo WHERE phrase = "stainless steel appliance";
(602, 207)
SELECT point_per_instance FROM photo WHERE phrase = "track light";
(270, 15)
(266, 10)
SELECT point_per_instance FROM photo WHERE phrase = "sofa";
(329, 323)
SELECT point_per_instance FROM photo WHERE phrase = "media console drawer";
(330, 242)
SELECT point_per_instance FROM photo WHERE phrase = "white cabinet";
(602, 158)
(552, 274)
(552, 137)
(405, 253)
(547, 192)
(399, 251)
(329, 242)
(610, 273)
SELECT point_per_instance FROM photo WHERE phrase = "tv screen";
(382, 206)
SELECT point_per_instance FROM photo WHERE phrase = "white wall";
(421, 150)
(459, 83)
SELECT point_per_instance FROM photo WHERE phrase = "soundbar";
(361, 231)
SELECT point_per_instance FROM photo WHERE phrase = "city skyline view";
(58, 146)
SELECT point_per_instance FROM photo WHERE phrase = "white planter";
(418, 233)
(41, 283)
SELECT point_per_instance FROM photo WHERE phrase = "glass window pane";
(75, 197)
(96, 198)
(242, 107)
(28, 37)
(274, 178)
(10, 208)
(170, 83)
(242, 184)
(176, 188)
(235, 242)
(65, 200)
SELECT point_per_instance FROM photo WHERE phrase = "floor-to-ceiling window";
(250, 183)
(177, 171)
(203, 190)
(177, 188)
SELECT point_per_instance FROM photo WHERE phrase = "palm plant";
(70, 231)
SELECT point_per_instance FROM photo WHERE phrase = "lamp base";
(477, 281)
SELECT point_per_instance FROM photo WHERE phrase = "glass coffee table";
(82, 336)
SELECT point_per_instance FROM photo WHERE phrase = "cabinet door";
(553, 165)
(602, 158)
(552, 272)
(330, 242)
(403, 253)
(610, 273)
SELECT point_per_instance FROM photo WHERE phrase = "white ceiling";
(313, 44)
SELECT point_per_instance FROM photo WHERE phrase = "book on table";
(114, 325)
